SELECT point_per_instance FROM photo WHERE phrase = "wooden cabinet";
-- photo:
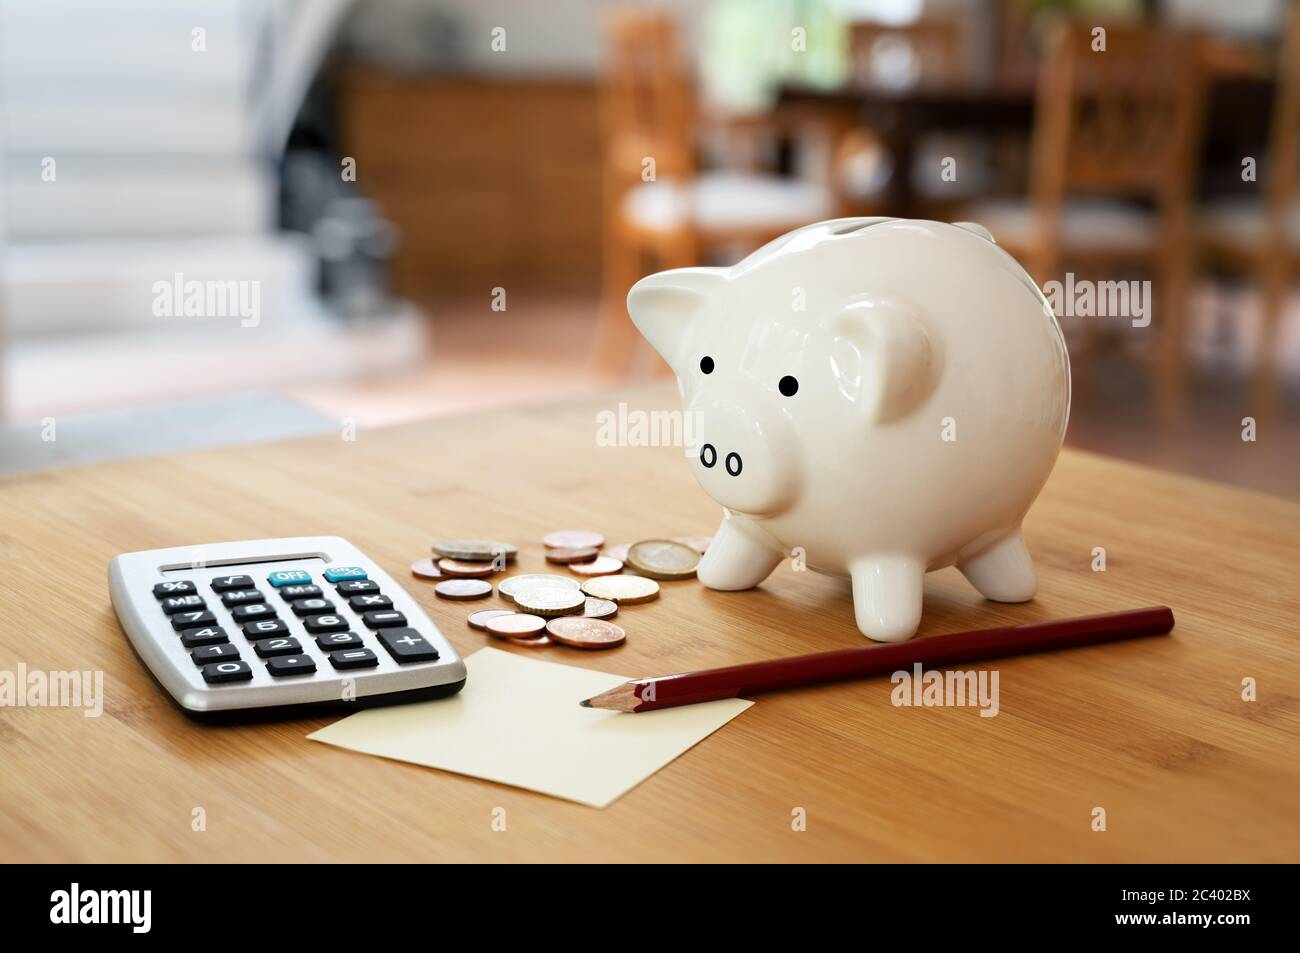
(492, 180)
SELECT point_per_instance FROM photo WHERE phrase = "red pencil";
(669, 691)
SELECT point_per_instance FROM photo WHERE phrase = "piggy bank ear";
(883, 358)
(663, 306)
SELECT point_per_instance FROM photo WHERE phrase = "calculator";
(262, 624)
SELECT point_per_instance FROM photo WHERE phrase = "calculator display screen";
(201, 563)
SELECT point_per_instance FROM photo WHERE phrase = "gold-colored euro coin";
(625, 590)
(663, 559)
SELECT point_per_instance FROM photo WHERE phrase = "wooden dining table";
(1238, 112)
(1181, 747)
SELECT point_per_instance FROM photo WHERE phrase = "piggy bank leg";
(736, 559)
(887, 596)
(1003, 572)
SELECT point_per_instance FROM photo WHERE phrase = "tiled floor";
(539, 350)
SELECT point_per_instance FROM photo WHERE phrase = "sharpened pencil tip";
(585, 703)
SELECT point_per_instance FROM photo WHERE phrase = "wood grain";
(1154, 731)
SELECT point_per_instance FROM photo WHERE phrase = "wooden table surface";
(1154, 731)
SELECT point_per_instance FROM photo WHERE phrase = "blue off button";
(288, 577)
(344, 573)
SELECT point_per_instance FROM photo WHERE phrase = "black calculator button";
(286, 645)
(407, 645)
(370, 602)
(204, 635)
(316, 624)
(355, 587)
(267, 627)
(328, 641)
(179, 588)
(174, 604)
(291, 593)
(290, 665)
(304, 607)
(383, 619)
(231, 671)
(192, 620)
(241, 597)
(227, 583)
(354, 658)
(258, 610)
(214, 653)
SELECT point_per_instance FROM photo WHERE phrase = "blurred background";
(234, 220)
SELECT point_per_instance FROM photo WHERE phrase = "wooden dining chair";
(660, 210)
(1262, 238)
(1115, 150)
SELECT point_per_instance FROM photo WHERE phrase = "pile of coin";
(551, 608)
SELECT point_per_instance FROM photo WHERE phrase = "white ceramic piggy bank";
(881, 397)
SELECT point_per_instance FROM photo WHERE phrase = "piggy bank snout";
(734, 463)
(746, 458)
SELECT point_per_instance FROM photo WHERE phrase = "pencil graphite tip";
(585, 703)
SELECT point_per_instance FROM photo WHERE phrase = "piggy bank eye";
(788, 386)
(706, 364)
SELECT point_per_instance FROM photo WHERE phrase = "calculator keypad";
(284, 645)
(306, 607)
(231, 671)
(291, 593)
(253, 612)
(192, 620)
(291, 665)
(206, 635)
(239, 597)
(258, 630)
(283, 654)
(214, 653)
(174, 604)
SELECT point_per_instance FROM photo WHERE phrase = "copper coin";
(599, 608)
(572, 555)
(663, 559)
(463, 589)
(600, 566)
(698, 543)
(618, 552)
(625, 590)
(539, 642)
(584, 633)
(550, 601)
(478, 620)
(463, 570)
(426, 569)
(517, 625)
(573, 539)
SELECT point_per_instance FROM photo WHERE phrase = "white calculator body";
(266, 623)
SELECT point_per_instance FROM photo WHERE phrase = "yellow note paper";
(517, 721)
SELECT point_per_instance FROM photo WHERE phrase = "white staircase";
(134, 148)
